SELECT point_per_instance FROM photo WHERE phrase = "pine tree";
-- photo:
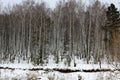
(112, 30)
(113, 18)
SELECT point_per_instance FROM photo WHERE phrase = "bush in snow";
(32, 76)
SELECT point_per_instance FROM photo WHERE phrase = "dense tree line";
(32, 32)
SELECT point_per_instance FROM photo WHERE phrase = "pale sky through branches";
(52, 3)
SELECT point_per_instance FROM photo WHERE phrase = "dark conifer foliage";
(112, 30)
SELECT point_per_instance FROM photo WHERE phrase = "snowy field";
(53, 75)
(20, 74)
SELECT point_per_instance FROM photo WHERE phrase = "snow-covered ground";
(20, 74)
(80, 64)
(42, 75)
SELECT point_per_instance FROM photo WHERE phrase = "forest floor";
(53, 71)
(24, 71)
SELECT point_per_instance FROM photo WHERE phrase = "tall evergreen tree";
(112, 29)
(113, 18)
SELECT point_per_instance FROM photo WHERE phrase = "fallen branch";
(64, 70)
